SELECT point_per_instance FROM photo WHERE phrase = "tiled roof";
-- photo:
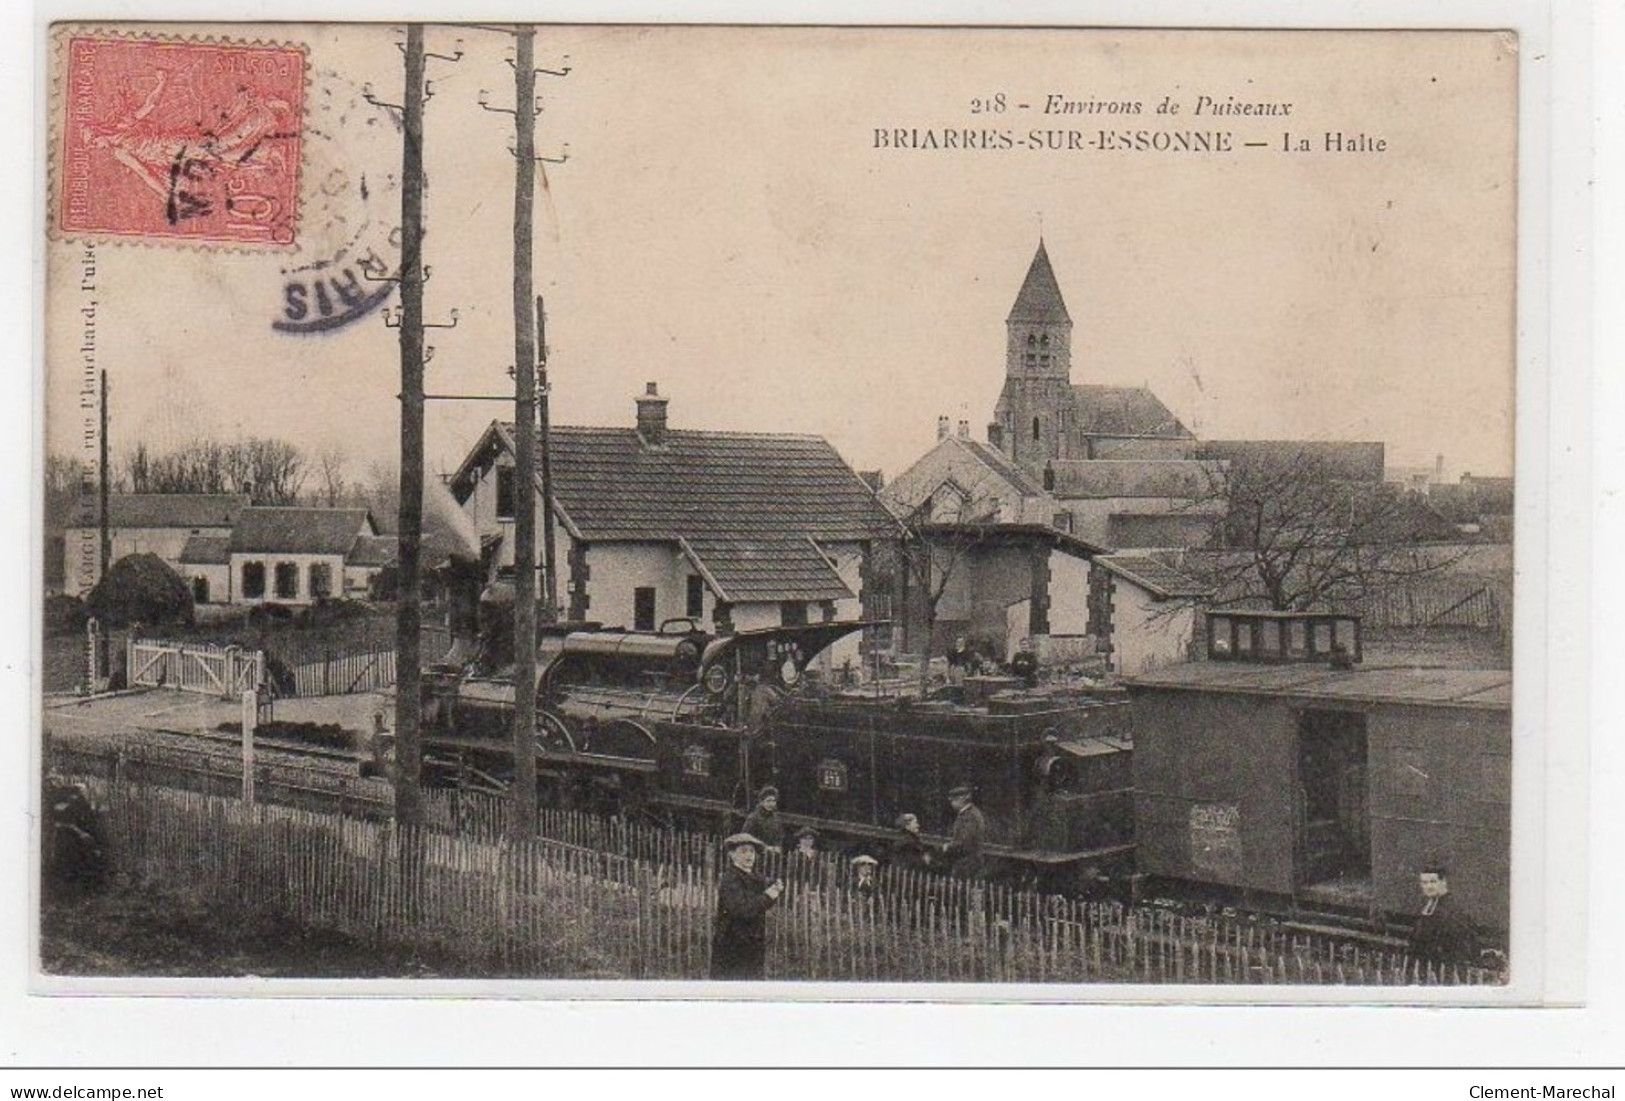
(374, 550)
(207, 550)
(1124, 411)
(1347, 460)
(1166, 478)
(611, 486)
(1040, 297)
(162, 510)
(764, 569)
(1153, 576)
(1001, 465)
(298, 530)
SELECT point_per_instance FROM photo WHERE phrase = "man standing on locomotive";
(739, 935)
(968, 837)
(764, 823)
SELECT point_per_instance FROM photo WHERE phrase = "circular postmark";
(349, 249)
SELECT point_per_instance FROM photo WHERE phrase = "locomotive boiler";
(680, 727)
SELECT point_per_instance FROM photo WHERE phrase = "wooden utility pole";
(524, 504)
(409, 614)
(545, 441)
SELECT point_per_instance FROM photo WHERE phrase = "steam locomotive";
(682, 728)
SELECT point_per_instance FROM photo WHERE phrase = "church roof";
(1124, 411)
(1040, 297)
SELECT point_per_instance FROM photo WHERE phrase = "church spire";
(1040, 299)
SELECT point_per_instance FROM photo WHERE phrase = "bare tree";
(270, 471)
(940, 537)
(330, 464)
(66, 479)
(1298, 536)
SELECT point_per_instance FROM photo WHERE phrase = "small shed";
(1331, 786)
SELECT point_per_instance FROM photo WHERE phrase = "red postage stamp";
(180, 140)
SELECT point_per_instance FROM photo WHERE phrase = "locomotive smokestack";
(652, 417)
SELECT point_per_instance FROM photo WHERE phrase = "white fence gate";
(226, 671)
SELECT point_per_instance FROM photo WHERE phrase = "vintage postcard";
(955, 508)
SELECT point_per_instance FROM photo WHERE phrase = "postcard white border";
(1555, 616)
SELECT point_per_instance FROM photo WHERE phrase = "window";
(643, 609)
(254, 580)
(793, 613)
(321, 580)
(1035, 428)
(696, 597)
(287, 580)
(1044, 340)
(505, 492)
(1031, 340)
(200, 590)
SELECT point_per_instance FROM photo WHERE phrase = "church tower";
(1032, 415)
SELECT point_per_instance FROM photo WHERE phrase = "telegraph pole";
(545, 439)
(524, 360)
(409, 613)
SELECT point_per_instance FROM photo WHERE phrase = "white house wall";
(1146, 633)
(617, 569)
(218, 578)
(1068, 594)
(80, 572)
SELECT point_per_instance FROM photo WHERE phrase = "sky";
(725, 226)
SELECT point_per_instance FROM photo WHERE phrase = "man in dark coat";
(739, 935)
(1442, 934)
(764, 823)
(967, 838)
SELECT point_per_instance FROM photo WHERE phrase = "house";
(1142, 612)
(153, 523)
(727, 530)
(1004, 586)
(961, 479)
(287, 556)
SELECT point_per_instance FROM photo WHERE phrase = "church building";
(1122, 468)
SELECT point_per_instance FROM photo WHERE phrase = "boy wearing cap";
(764, 823)
(968, 836)
(739, 935)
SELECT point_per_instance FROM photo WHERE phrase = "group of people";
(739, 936)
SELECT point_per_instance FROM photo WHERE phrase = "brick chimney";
(964, 430)
(942, 428)
(652, 416)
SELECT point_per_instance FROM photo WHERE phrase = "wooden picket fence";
(557, 908)
(338, 674)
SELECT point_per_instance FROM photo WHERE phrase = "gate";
(225, 671)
